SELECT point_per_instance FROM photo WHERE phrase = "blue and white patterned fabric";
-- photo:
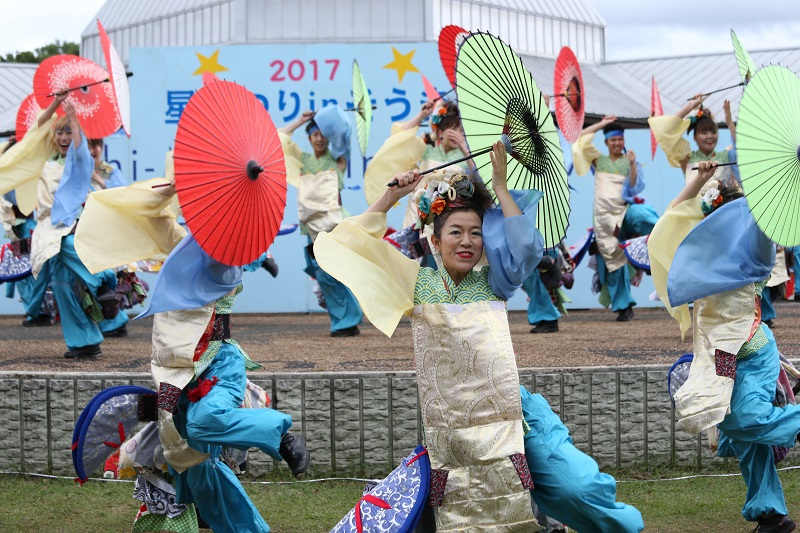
(636, 252)
(14, 265)
(579, 249)
(399, 499)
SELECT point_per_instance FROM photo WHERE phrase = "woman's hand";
(455, 137)
(499, 167)
(631, 157)
(406, 183)
(697, 100)
(705, 170)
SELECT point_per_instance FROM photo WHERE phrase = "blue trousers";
(31, 291)
(767, 309)
(540, 307)
(568, 484)
(796, 270)
(754, 424)
(342, 306)
(618, 284)
(216, 421)
(66, 270)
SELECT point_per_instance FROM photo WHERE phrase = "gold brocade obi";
(472, 415)
(609, 211)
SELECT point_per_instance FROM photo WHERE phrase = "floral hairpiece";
(441, 114)
(714, 195)
(431, 200)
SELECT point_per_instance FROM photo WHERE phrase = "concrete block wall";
(365, 423)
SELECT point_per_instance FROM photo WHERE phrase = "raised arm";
(499, 181)
(705, 170)
(48, 113)
(406, 183)
(73, 124)
(424, 112)
(597, 126)
(304, 118)
(726, 106)
(694, 103)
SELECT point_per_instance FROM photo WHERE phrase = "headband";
(614, 133)
(312, 129)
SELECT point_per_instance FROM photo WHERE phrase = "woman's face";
(460, 243)
(706, 140)
(63, 138)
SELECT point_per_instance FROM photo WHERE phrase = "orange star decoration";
(402, 63)
(209, 64)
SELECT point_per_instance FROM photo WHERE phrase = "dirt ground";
(301, 343)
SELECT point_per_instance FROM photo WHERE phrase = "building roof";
(16, 82)
(572, 10)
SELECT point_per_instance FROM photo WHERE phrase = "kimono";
(318, 182)
(489, 440)
(616, 215)
(721, 263)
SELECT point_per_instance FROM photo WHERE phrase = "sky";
(634, 28)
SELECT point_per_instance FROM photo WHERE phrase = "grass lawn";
(35, 504)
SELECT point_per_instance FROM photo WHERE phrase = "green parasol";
(498, 98)
(747, 68)
(768, 149)
(363, 108)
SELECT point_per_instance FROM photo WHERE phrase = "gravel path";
(301, 343)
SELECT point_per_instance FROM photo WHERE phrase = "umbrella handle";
(161, 185)
(80, 87)
(718, 91)
(443, 95)
(719, 165)
(440, 167)
(353, 108)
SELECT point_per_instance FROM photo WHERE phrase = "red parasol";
(230, 173)
(655, 111)
(450, 38)
(26, 116)
(430, 91)
(119, 79)
(569, 95)
(93, 100)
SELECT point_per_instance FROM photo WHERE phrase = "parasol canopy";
(747, 69)
(569, 95)
(118, 79)
(450, 39)
(90, 95)
(430, 90)
(655, 111)
(363, 108)
(499, 99)
(768, 149)
(26, 116)
(230, 173)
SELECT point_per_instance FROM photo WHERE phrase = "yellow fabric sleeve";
(584, 153)
(23, 162)
(27, 197)
(381, 278)
(127, 224)
(668, 131)
(293, 157)
(401, 152)
(664, 240)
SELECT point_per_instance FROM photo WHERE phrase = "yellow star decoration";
(209, 64)
(402, 63)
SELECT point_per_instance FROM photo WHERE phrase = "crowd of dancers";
(498, 454)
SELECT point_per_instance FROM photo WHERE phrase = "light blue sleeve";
(513, 245)
(189, 279)
(74, 185)
(732, 157)
(629, 193)
(116, 179)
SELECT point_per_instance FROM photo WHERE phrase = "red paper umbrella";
(430, 91)
(230, 173)
(119, 79)
(655, 111)
(450, 38)
(569, 95)
(26, 116)
(93, 99)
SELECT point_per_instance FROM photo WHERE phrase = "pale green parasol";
(363, 108)
(498, 98)
(747, 68)
(768, 149)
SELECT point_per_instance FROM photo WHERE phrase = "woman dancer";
(477, 429)
(721, 263)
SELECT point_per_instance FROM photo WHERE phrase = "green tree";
(42, 53)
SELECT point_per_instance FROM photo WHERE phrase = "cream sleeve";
(668, 131)
(584, 153)
(401, 152)
(293, 156)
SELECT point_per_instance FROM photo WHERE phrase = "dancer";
(617, 215)
(62, 189)
(669, 130)
(721, 263)
(319, 178)
(546, 297)
(105, 176)
(474, 420)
